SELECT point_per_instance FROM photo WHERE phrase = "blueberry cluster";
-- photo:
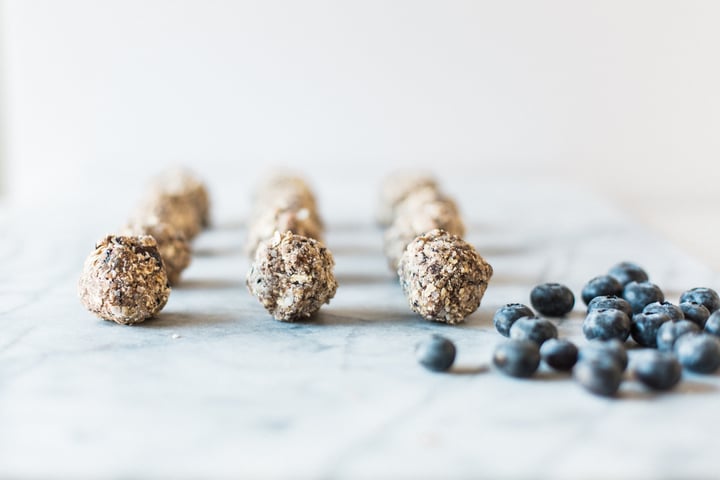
(683, 334)
(622, 304)
(598, 366)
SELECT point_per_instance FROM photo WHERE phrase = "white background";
(622, 95)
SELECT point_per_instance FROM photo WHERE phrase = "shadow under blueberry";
(688, 386)
(469, 369)
(685, 387)
(182, 320)
(551, 375)
(639, 394)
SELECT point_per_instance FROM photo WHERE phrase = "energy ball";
(292, 276)
(287, 192)
(395, 188)
(415, 218)
(443, 277)
(174, 248)
(282, 220)
(278, 182)
(415, 200)
(177, 210)
(181, 182)
(124, 280)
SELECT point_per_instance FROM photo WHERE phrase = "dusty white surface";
(215, 388)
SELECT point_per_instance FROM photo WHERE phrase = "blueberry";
(657, 370)
(598, 349)
(535, 329)
(552, 299)
(669, 332)
(626, 272)
(695, 312)
(644, 328)
(605, 324)
(698, 352)
(639, 295)
(673, 311)
(506, 315)
(600, 376)
(610, 301)
(712, 326)
(436, 353)
(706, 296)
(517, 358)
(600, 287)
(559, 354)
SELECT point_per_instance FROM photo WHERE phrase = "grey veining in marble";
(215, 388)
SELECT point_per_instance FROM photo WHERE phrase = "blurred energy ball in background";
(619, 96)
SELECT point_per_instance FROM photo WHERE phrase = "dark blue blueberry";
(698, 352)
(601, 286)
(600, 376)
(552, 299)
(669, 332)
(559, 354)
(436, 353)
(706, 296)
(672, 310)
(598, 349)
(535, 329)
(639, 295)
(610, 301)
(644, 328)
(657, 370)
(517, 358)
(626, 272)
(506, 315)
(605, 324)
(695, 312)
(712, 326)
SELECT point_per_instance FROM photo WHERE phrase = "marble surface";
(214, 388)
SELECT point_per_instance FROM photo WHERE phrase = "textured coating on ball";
(124, 280)
(292, 276)
(443, 277)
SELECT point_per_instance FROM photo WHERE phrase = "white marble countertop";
(215, 388)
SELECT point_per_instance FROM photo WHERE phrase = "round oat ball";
(182, 182)
(443, 277)
(174, 248)
(292, 276)
(395, 187)
(416, 200)
(176, 210)
(124, 280)
(281, 220)
(284, 191)
(413, 219)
